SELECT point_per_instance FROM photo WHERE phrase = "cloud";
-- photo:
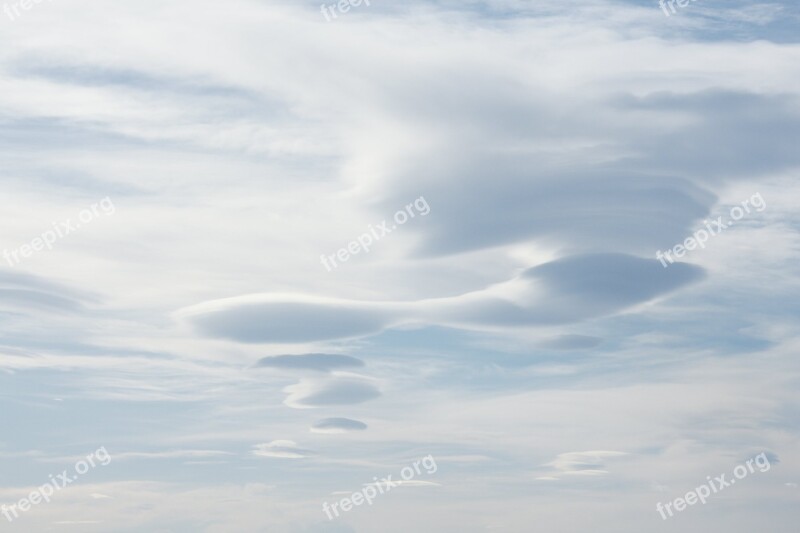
(281, 449)
(337, 390)
(586, 286)
(590, 463)
(337, 425)
(577, 211)
(567, 290)
(25, 291)
(772, 457)
(286, 319)
(318, 362)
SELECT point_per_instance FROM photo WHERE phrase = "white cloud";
(281, 449)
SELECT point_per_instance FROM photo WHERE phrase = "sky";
(259, 255)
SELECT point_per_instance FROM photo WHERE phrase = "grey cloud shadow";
(585, 286)
(317, 362)
(505, 200)
(340, 390)
(338, 425)
(289, 322)
(578, 288)
(24, 291)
